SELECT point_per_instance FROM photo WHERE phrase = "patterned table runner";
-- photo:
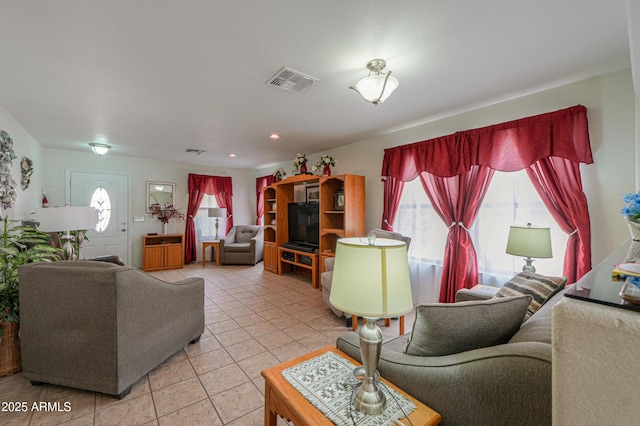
(327, 382)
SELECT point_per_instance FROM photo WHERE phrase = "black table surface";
(599, 286)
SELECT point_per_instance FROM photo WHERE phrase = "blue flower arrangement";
(631, 208)
(635, 281)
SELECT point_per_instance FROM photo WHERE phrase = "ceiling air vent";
(195, 151)
(291, 80)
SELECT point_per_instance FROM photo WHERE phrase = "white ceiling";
(155, 77)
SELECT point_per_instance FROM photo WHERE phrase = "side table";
(282, 399)
(215, 248)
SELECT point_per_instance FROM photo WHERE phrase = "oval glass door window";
(101, 201)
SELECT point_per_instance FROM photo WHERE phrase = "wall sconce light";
(100, 148)
(377, 86)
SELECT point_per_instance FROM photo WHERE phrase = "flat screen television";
(304, 224)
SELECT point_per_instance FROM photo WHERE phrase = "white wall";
(141, 171)
(23, 145)
(610, 103)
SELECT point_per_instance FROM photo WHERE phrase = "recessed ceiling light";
(274, 136)
(232, 155)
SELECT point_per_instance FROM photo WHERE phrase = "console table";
(282, 399)
(160, 252)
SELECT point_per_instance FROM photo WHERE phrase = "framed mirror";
(160, 193)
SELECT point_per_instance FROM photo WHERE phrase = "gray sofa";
(243, 245)
(100, 326)
(506, 384)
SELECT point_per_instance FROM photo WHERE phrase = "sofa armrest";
(230, 238)
(477, 292)
(110, 258)
(257, 245)
(329, 262)
(503, 384)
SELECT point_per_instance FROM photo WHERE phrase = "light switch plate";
(138, 218)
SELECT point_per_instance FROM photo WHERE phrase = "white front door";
(109, 193)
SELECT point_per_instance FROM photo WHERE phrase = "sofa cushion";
(443, 329)
(238, 247)
(541, 288)
(245, 236)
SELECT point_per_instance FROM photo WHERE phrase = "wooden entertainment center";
(342, 214)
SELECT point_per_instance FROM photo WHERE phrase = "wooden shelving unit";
(270, 229)
(296, 263)
(343, 221)
(160, 252)
(347, 221)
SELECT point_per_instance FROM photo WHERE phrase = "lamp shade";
(54, 219)
(529, 242)
(100, 148)
(217, 212)
(371, 88)
(371, 281)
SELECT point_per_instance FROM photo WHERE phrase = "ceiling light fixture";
(100, 148)
(232, 155)
(377, 86)
(274, 136)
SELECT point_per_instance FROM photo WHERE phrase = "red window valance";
(508, 147)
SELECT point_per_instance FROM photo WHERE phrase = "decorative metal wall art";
(7, 183)
(26, 170)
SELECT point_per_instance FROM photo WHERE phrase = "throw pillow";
(244, 236)
(539, 287)
(443, 329)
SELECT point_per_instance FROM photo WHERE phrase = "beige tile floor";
(254, 320)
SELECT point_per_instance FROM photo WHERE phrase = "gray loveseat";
(100, 326)
(507, 384)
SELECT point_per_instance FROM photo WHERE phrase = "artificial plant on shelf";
(300, 163)
(326, 162)
(278, 174)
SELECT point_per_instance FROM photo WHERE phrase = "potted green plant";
(20, 244)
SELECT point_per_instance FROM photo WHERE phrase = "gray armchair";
(244, 245)
(325, 277)
(101, 327)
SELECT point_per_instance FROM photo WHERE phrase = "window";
(101, 201)
(205, 225)
(510, 200)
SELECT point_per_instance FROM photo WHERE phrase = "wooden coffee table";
(282, 399)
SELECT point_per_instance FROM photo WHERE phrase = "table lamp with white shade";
(529, 242)
(66, 219)
(217, 212)
(371, 280)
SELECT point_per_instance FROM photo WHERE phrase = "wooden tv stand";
(296, 263)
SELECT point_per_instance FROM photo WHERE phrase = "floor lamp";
(67, 219)
(217, 212)
(371, 280)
